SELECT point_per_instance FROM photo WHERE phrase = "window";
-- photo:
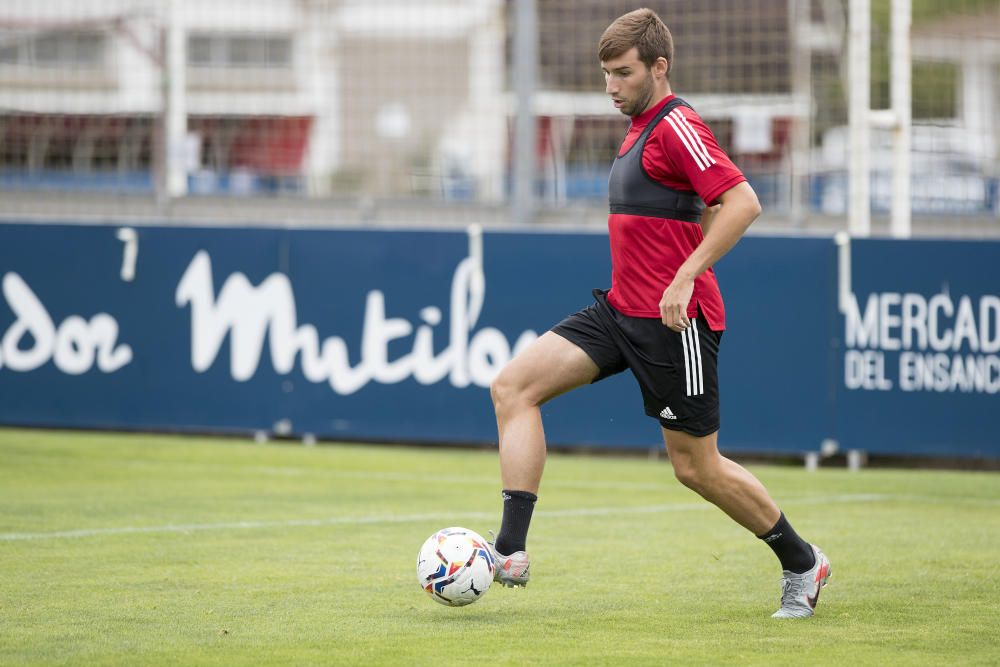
(84, 144)
(245, 51)
(938, 97)
(53, 49)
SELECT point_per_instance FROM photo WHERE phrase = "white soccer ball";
(455, 566)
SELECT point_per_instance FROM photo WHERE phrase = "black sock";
(795, 554)
(517, 508)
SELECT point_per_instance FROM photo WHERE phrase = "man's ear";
(661, 66)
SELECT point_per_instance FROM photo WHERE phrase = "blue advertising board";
(919, 365)
(395, 335)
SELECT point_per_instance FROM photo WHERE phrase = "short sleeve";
(682, 153)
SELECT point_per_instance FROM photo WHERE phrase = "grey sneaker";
(800, 592)
(512, 570)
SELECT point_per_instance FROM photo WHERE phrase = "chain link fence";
(348, 111)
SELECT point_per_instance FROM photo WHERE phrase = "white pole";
(902, 94)
(525, 133)
(844, 288)
(801, 56)
(175, 125)
(859, 105)
(320, 36)
(487, 101)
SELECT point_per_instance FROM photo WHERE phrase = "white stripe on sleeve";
(696, 137)
(697, 158)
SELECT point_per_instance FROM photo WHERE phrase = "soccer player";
(677, 205)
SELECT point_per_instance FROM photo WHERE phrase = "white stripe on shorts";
(693, 373)
(697, 348)
(687, 360)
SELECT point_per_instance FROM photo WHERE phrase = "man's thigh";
(550, 366)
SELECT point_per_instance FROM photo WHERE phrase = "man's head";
(636, 52)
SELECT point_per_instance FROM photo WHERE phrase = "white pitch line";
(237, 525)
(465, 480)
(408, 518)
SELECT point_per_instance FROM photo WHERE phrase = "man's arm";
(739, 209)
(707, 216)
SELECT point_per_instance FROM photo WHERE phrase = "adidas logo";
(667, 413)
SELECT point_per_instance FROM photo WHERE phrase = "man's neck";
(660, 93)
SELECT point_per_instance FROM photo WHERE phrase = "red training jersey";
(646, 252)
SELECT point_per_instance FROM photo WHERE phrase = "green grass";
(235, 553)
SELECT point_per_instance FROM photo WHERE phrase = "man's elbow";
(750, 206)
(743, 199)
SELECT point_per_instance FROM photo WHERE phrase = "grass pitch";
(152, 550)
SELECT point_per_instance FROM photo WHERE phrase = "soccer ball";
(455, 566)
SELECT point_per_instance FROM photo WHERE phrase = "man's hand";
(723, 226)
(674, 304)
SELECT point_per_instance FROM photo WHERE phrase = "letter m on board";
(861, 331)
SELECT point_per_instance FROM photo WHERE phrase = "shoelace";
(792, 589)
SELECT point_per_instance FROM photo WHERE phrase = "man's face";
(629, 82)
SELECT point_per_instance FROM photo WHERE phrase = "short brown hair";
(642, 29)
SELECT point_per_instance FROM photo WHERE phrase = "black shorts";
(677, 372)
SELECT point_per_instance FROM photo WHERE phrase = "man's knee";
(688, 473)
(695, 461)
(508, 393)
(499, 390)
